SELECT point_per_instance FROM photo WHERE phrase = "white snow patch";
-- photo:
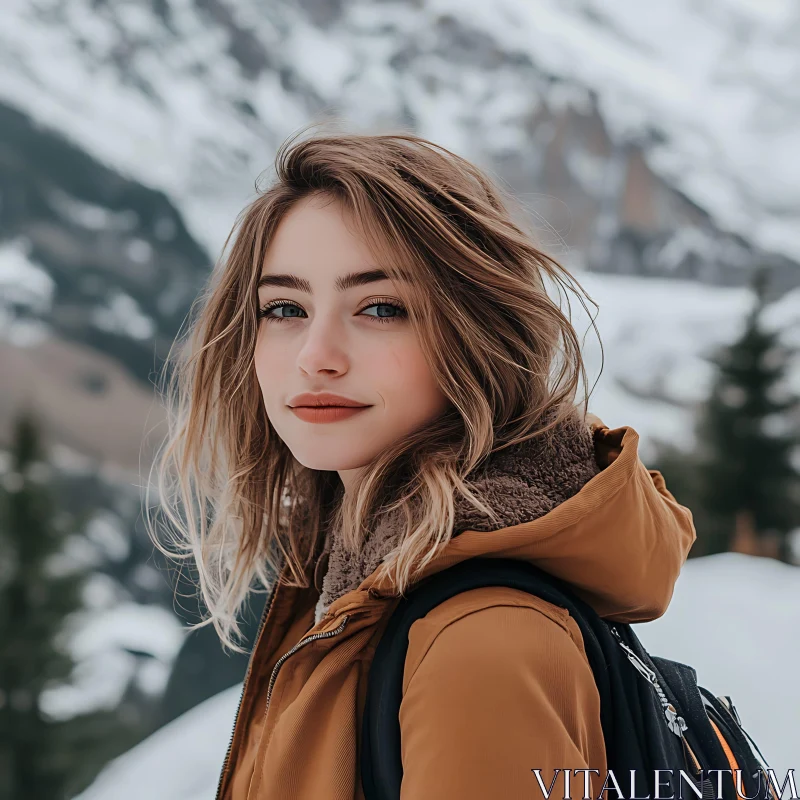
(112, 646)
(121, 314)
(180, 761)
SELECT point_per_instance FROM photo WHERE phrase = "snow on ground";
(734, 618)
(180, 761)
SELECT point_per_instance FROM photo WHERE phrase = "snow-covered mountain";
(652, 143)
(192, 98)
(645, 141)
(732, 618)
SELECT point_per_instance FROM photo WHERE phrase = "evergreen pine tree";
(40, 586)
(746, 436)
(34, 601)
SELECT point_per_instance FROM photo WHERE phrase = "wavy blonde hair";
(232, 495)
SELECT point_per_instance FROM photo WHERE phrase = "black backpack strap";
(621, 695)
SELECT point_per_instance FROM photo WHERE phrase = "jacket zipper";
(282, 659)
(261, 624)
(279, 663)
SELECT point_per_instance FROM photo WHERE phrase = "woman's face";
(322, 328)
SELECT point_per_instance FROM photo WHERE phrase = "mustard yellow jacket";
(496, 682)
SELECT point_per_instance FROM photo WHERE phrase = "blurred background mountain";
(653, 147)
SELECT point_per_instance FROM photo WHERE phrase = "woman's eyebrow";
(342, 283)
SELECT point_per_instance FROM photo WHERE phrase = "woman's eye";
(386, 311)
(266, 311)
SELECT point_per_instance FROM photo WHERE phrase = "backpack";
(653, 713)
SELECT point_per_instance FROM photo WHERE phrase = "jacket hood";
(519, 483)
(620, 540)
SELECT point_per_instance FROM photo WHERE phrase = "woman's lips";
(326, 413)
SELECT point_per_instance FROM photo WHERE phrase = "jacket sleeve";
(498, 693)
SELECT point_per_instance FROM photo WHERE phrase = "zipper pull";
(675, 722)
(637, 662)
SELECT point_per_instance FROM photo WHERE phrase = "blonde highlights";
(231, 495)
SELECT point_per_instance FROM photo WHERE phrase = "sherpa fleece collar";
(520, 483)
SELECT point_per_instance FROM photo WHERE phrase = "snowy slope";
(180, 761)
(192, 98)
(733, 617)
(655, 335)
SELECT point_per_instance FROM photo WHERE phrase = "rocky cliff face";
(131, 134)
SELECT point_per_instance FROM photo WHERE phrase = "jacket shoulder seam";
(554, 613)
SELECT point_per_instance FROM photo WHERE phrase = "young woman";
(378, 386)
